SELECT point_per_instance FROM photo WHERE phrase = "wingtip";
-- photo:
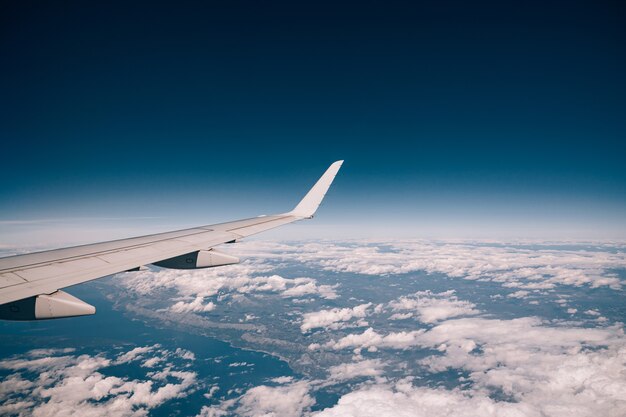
(309, 204)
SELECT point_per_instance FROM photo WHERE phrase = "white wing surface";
(30, 283)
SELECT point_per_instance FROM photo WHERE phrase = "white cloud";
(401, 316)
(282, 379)
(552, 370)
(15, 384)
(135, 354)
(197, 305)
(526, 331)
(285, 401)
(431, 307)
(372, 341)
(69, 385)
(194, 287)
(288, 400)
(519, 294)
(333, 319)
(308, 286)
(546, 369)
(513, 266)
(152, 362)
(351, 370)
(384, 400)
(185, 354)
(49, 352)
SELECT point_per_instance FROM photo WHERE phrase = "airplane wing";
(30, 284)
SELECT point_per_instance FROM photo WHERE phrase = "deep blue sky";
(454, 118)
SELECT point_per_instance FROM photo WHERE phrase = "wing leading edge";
(30, 284)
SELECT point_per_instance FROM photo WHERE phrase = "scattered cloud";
(335, 318)
(292, 399)
(135, 354)
(351, 370)
(195, 287)
(67, 384)
(529, 366)
(527, 267)
(431, 307)
(519, 294)
(402, 399)
(372, 341)
(198, 305)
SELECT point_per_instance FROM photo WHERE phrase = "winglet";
(311, 201)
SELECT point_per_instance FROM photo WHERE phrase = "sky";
(455, 119)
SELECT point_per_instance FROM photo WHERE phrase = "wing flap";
(59, 268)
(9, 278)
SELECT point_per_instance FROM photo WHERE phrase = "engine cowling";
(57, 305)
(200, 259)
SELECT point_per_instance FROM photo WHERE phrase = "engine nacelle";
(200, 259)
(57, 305)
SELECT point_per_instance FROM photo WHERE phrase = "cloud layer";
(378, 341)
(525, 266)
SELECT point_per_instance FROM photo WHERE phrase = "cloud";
(309, 286)
(514, 266)
(523, 367)
(135, 354)
(288, 400)
(351, 370)
(372, 341)
(282, 379)
(49, 352)
(519, 294)
(333, 319)
(195, 287)
(197, 305)
(68, 385)
(404, 400)
(431, 307)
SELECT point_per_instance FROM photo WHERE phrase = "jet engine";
(199, 259)
(57, 305)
